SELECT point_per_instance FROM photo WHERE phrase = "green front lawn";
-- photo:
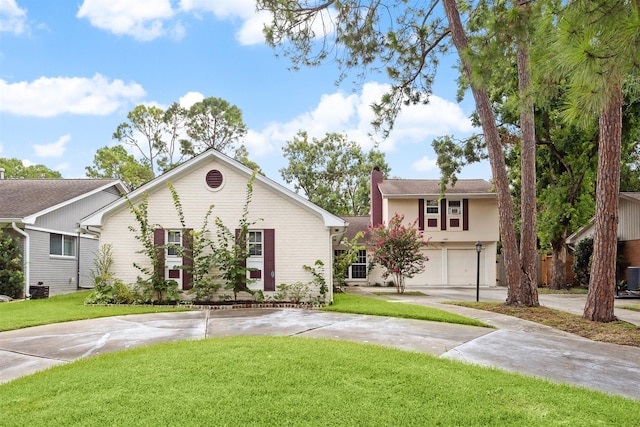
(295, 381)
(64, 308)
(356, 304)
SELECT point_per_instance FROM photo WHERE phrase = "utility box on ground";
(39, 291)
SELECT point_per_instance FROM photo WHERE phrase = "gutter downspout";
(26, 257)
(78, 260)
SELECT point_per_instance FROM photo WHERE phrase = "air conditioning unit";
(454, 211)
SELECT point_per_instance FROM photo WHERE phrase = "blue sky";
(70, 71)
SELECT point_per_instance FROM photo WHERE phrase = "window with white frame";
(255, 243)
(174, 242)
(357, 270)
(432, 207)
(454, 207)
(60, 244)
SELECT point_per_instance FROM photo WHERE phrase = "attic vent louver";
(214, 179)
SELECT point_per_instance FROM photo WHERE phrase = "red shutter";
(420, 214)
(269, 260)
(465, 214)
(187, 261)
(158, 241)
(443, 214)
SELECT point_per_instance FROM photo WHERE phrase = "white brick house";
(290, 231)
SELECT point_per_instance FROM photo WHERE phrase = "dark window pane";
(358, 271)
(55, 244)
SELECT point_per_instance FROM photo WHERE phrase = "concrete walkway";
(516, 345)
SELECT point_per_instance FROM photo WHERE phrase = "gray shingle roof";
(20, 198)
(431, 187)
(356, 224)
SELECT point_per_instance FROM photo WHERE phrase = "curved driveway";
(516, 345)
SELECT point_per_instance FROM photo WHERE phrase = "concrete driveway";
(516, 345)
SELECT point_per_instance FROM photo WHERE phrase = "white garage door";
(462, 267)
(432, 274)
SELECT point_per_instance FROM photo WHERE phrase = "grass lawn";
(405, 293)
(580, 291)
(295, 381)
(63, 308)
(356, 304)
(635, 307)
(613, 332)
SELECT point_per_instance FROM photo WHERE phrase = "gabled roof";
(631, 196)
(356, 224)
(395, 188)
(24, 200)
(587, 229)
(160, 182)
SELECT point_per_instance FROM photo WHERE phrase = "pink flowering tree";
(398, 248)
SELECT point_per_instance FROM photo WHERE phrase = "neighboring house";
(628, 229)
(288, 231)
(45, 215)
(358, 271)
(467, 213)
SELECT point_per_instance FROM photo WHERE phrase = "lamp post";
(478, 249)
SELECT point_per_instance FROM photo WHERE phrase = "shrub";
(11, 276)
(398, 248)
(295, 293)
(582, 261)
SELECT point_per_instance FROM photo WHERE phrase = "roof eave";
(96, 220)
(415, 195)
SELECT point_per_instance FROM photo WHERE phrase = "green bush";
(11, 276)
(582, 261)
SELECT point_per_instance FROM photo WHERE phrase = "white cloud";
(51, 96)
(222, 9)
(55, 149)
(438, 117)
(28, 163)
(251, 31)
(425, 164)
(351, 114)
(142, 19)
(12, 17)
(190, 98)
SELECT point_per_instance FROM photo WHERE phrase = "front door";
(173, 258)
(255, 240)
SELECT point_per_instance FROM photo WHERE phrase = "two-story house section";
(453, 223)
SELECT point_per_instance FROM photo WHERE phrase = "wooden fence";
(544, 270)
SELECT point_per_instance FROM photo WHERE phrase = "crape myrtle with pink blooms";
(398, 248)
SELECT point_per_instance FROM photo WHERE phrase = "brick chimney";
(1, 173)
(376, 196)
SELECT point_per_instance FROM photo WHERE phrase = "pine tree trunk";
(600, 299)
(496, 158)
(528, 238)
(559, 263)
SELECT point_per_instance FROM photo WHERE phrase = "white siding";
(300, 236)
(629, 220)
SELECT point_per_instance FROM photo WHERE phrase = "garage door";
(462, 267)
(432, 274)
